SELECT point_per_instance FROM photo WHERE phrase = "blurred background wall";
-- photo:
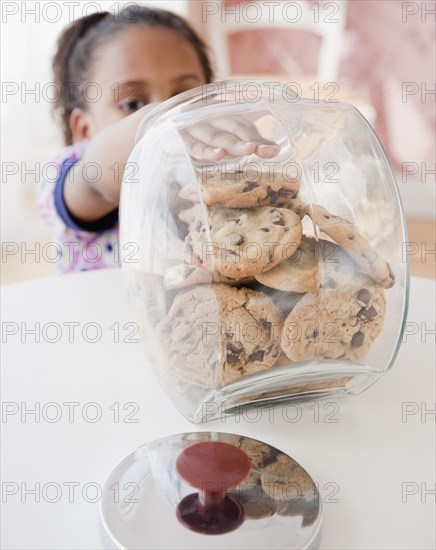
(380, 56)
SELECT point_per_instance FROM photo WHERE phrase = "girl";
(133, 60)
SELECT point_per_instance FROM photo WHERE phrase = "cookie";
(282, 360)
(337, 323)
(315, 264)
(260, 453)
(215, 334)
(298, 206)
(285, 301)
(147, 296)
(241, 189)
(285, 480)
(243, 242)
(345, 234)
(184, 275)
(256, 503)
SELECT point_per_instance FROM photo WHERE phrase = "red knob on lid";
(213, 468)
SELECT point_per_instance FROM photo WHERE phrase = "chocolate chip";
(272, 195)
(363, 296)
(232, 353)
(313, 334)
(350, 236)
(235, 239)
(256, 356)
(371, 313)
(266, 325)
(240, 240)
(366, 315)
(264, 229)
(357, 340)
(271, 457)
(231, 347)
(361, 314)
(283, 192)
(250, 185)
(279, 221)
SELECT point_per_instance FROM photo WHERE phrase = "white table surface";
(361, 462)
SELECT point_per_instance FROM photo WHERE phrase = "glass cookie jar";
(262, 237)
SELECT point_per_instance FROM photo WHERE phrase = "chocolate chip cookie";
(337, 323)
(243, 242)
(314, 265)
(256, 503)
(276, 484)
(184, 275)
(214, 334)
(242, 189)
(345, 234)
(260, 453)
(285, 480)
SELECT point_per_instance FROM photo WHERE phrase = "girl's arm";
(90, 201)
(222, 137)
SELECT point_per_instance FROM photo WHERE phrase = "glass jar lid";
(210, 490)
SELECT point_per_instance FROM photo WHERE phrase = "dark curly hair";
(79, 40)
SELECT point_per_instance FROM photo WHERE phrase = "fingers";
(200, 150)
(247, 131)
(227, 137)
(268, 151)
(223, 139)
(244, 130)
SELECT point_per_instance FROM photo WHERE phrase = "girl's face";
(140, 65)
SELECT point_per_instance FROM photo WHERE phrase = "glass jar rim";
(203, 91)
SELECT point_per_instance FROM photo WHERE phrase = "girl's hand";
(227, 137)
